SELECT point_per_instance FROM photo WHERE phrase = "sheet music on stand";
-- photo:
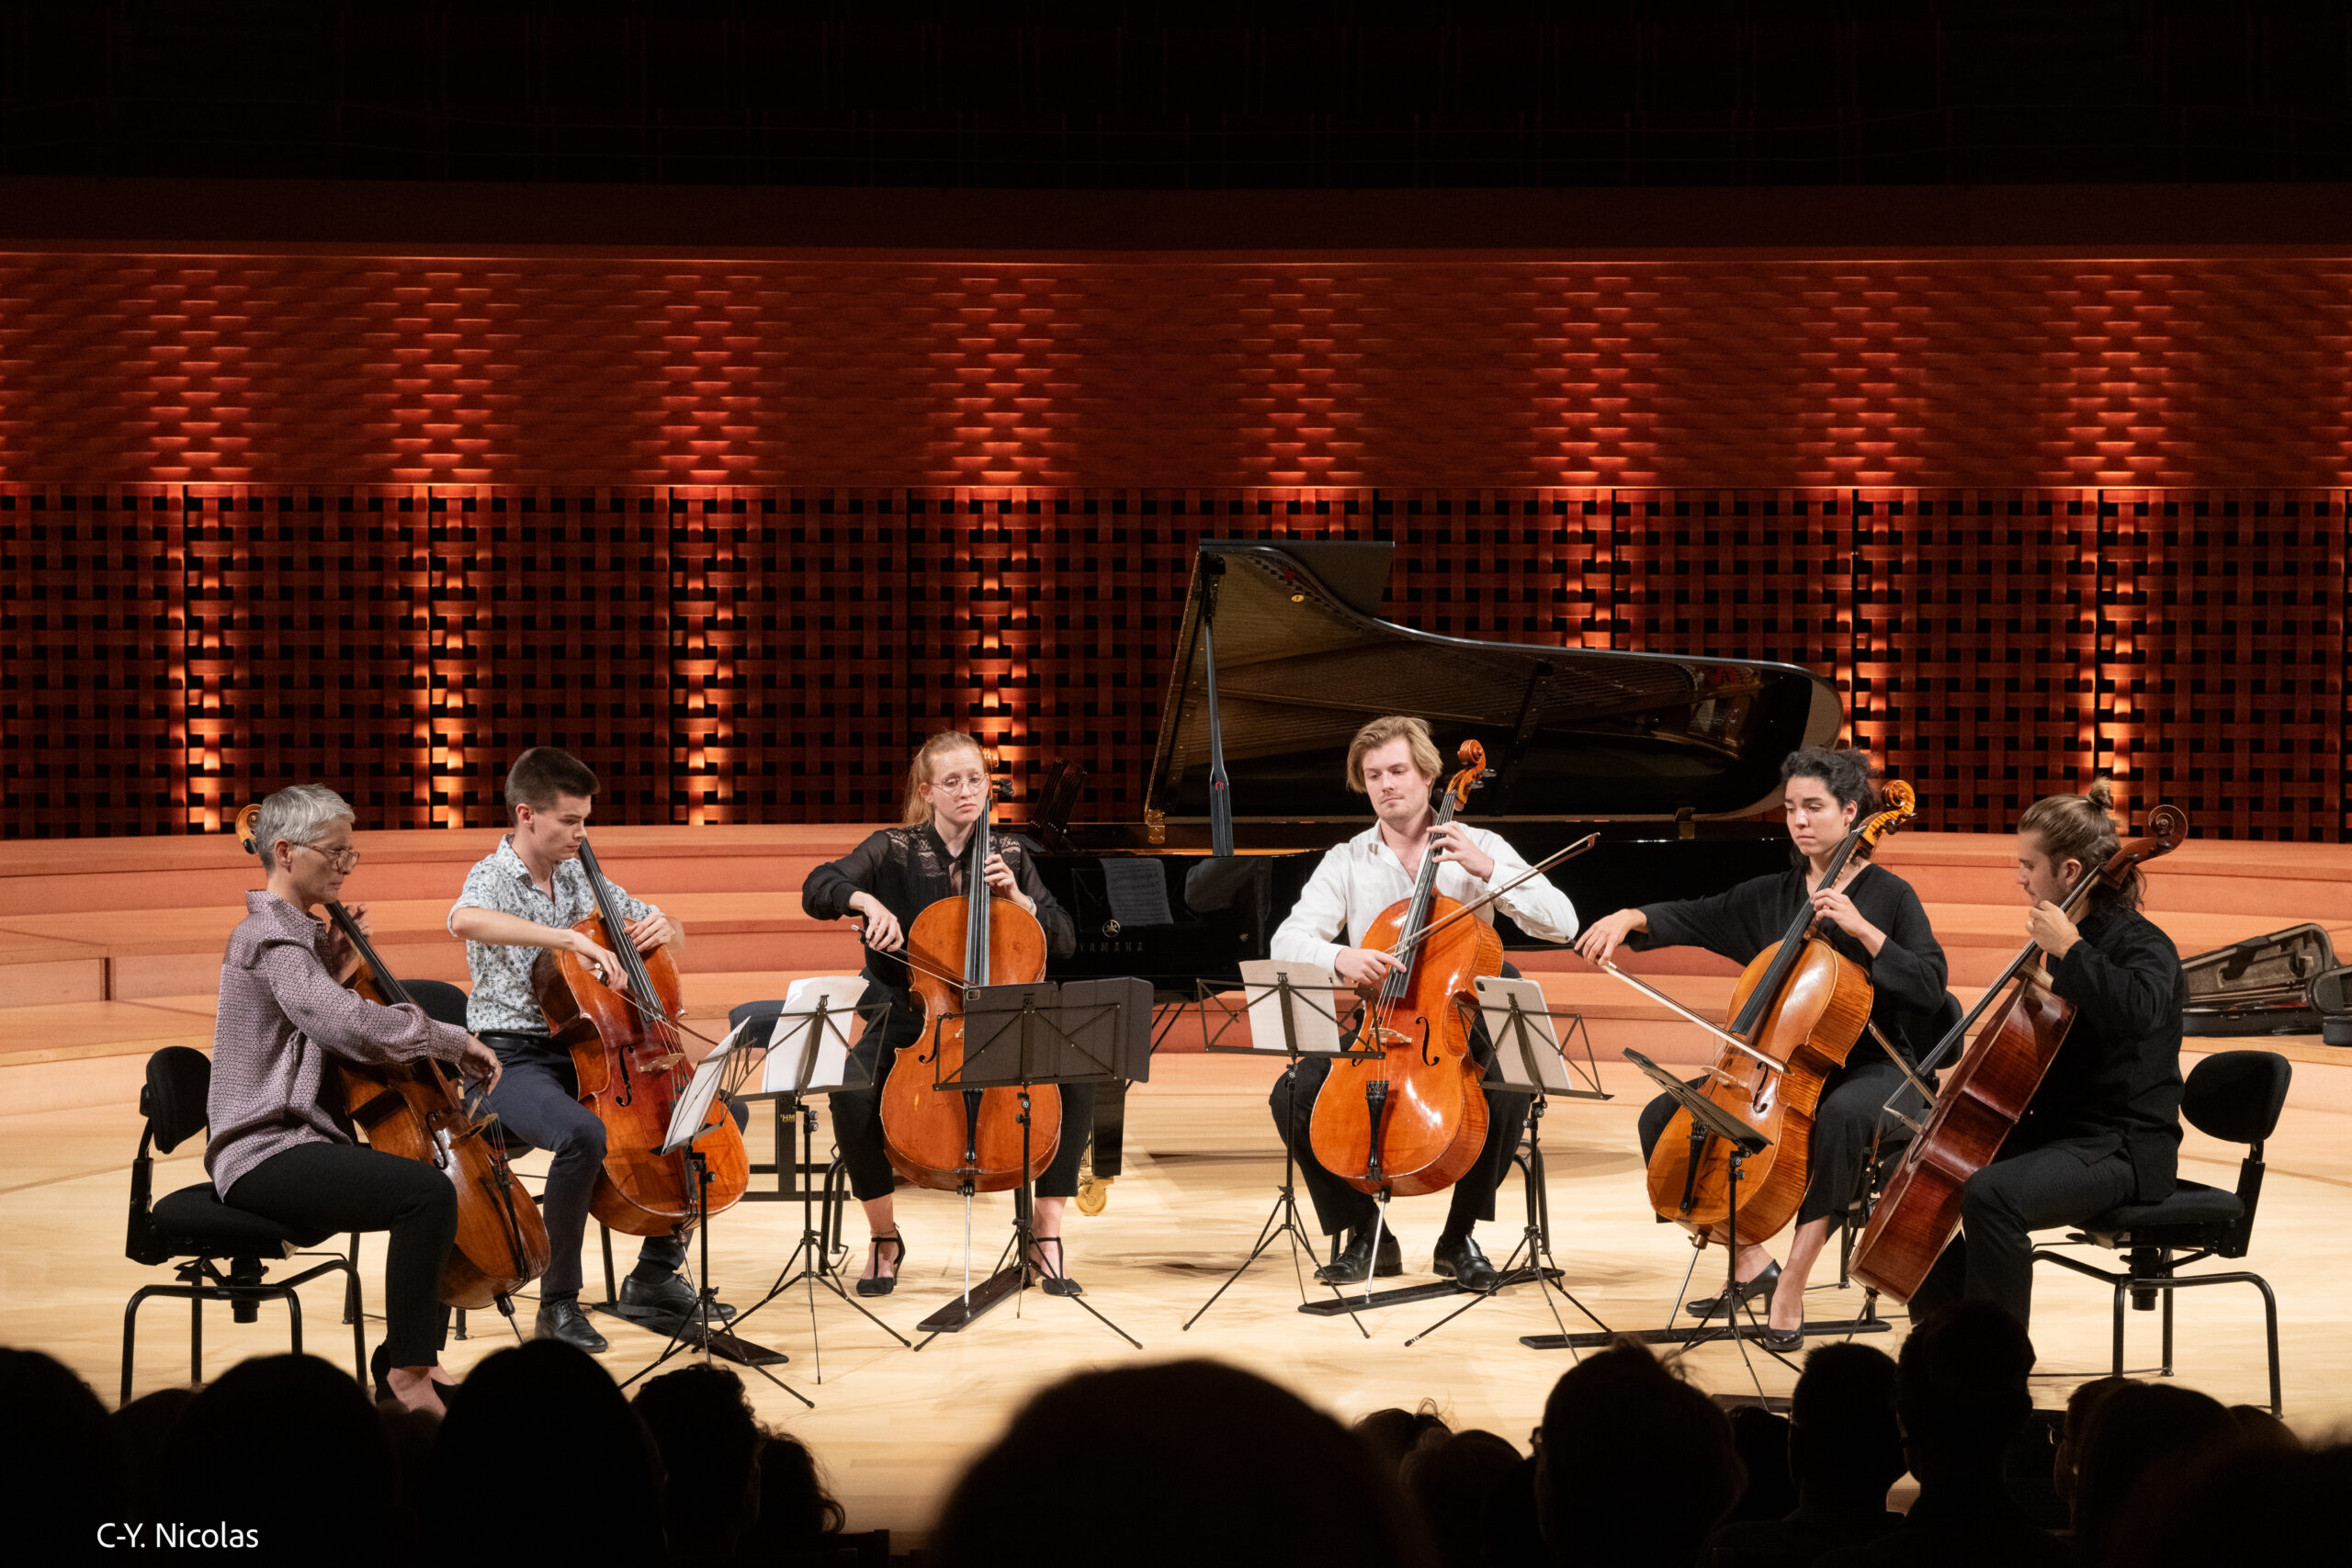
(1531, 1054)
(1292, 1008)
(693, 1108)
(807, 1039)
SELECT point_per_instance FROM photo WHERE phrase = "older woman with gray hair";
(281, 1143)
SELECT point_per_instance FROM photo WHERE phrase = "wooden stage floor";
(893, 1426)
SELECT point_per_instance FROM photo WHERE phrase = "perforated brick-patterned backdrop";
(740, 532)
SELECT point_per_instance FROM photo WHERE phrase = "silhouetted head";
(1392, 1433)
(144, 1427)
(288, 1445)
(1452, 1481)
(2081, 1405)
(1961, 1391)
(1636, 1466)
(1175, 1466)
(1845, 1444)
(69, 1474)
(2141, 1434)
(796, 1509)
(2244, 1505)
(585, 1442)
(710, 1450)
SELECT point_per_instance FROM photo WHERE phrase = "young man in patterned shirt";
(524, 897)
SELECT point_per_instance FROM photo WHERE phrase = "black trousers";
(1842, 1124)
(341, 1187)
(537, 1096)
(2001, 1206)
(857, 1119)
(1338, 1206)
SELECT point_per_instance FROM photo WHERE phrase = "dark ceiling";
(1190, 95)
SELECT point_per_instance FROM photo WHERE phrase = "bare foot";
(418, 1389)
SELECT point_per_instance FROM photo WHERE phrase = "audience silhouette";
(1845, 1450)
(1176, 1465)
(709, 1443)
(1634, 1466)
(1195, 1461)
(1960, 1393)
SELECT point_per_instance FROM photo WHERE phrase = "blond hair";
(2077, 827)
(917, 810)
(1379, 733)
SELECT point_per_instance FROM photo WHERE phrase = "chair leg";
(294, 1312)
(2271, 1335)
(353, 1308)
(196, 1335)
(2122, 1291)
(612, 1287)
(130, 1338)
(2167, 1310)
(359, 1332)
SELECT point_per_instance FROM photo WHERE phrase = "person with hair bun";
(1872, 918)
(2104, 1128)
(890, 878)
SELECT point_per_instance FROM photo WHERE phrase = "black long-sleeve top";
(2115, 1083)
(908, 869)
(1906, 976)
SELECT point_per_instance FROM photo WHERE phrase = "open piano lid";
(1304, 661)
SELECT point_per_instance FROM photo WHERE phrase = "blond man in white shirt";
(1393, 762)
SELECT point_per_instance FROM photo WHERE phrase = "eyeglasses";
(342, 859)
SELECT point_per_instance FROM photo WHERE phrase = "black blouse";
(906, 869)
(1907, 975)
(2115, 1083)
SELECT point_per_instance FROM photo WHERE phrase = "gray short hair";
(296, 813)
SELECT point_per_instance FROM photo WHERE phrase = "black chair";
(2235, 1096)
(194, 1230)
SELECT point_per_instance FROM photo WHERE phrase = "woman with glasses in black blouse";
(886, 882)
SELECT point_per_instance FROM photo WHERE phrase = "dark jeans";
(1338, 1206)
(1992, 1258)
(858, 1122)
(1842, 1124)
(537, 1097)
(341, 1187)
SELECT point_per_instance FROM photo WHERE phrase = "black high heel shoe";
(1749, 1290)
(1054, 1282)
(883, 1284)
(380, 1368)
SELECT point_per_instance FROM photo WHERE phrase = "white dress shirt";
(1359, 879)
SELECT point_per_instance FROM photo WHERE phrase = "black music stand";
(720, 1072)
(1285, 1020)
(1530, 1056)
(1019, 1037)
(1707, 1120)
(808, 1055)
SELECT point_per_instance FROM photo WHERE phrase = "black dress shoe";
(1782, 1340)
(1760, 1287)
(670, 1299)
(883, 1284)
(1460, 1261)
(379, 1367)
(1355, 1259)
(1047, 1268)
(565, 1321)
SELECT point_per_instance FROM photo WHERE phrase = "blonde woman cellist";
(1877, 921)
(887, 881)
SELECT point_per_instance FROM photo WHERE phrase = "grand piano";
(1283, 645)
(1280, 658)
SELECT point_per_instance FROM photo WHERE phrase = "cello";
(1413, 1119)
(970, 1142)
(1796, 1013)
(415, 1110)
(1984, 1096)
(632, 1066)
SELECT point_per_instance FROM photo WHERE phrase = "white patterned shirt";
(503, 998)
(1356, 880)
